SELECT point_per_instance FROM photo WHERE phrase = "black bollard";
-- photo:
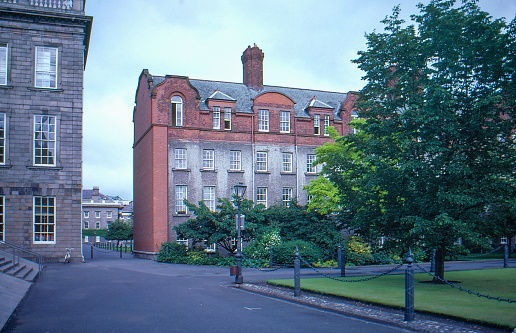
(297, 274)
(505, 256)
(91, 256)
(432, 263)
(271, 263)
(409, 288)
(342, 261)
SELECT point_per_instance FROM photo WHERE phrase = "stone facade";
(45, 51)
(100, 210)
(196, 139)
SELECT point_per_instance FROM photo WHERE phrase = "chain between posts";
(469, 291)
(272, 269)
(344, 280)
(481, 255)
(103, 250)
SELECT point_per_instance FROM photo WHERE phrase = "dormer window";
(317, 124)
(176, 111)
(227, 118)
(354, 116)
(216, 117)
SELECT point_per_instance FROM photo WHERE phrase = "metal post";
(297, 274)
(120, 250)
(409, 288)
(505, 256)
(239, 279)
(342, 261)
(91, 255)
(271, 264)
(432, 263)
(168, 249)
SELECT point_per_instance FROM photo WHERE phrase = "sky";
(307, 44)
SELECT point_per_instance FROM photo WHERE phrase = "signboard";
(242, 227)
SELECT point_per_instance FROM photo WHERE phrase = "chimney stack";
(252, 60)
(96, 191)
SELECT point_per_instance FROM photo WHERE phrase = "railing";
(58, 4)
(20, 252)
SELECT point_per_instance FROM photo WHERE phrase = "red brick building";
(196, 139)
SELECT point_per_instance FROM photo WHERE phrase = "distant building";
(43, 51)
(196, 139)
(100, 210)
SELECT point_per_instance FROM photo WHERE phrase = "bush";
(284, 254)
(177, 253)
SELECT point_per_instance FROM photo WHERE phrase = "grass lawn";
(440, 299)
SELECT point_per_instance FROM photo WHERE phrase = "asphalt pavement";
(109, 294)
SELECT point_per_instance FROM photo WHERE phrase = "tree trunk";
(509, 244)
(439, 264)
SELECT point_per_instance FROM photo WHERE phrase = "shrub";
(177, 253)
(284, 253)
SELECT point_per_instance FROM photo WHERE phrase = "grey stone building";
(100, 210)
(43, 50)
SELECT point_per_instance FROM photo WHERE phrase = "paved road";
(107, 294)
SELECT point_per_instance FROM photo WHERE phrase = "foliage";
(95, 232)
(119, 230)
(218, 227)
(261, 247)
(296, 223)
(435, 146)
(284, 253)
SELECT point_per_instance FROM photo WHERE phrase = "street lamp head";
(239, 190)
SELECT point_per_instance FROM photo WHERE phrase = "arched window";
(176, 111)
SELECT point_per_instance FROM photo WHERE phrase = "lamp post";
(239, 191)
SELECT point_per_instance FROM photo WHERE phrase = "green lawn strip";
(439, 299)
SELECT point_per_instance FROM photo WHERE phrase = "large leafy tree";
(119, 230)
(436, 148)
(218, 227)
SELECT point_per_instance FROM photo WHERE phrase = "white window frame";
(86, 214)
(4, 64)
(208, 159)
(326, 124)
(208, 196)
(86, 225)
(181, 194)
(216, 117)
(317, 124)
(44, 220)
(285, 121)
(176, 111)
(212, 247)
(261, 196)
(183, 241)
(86, 239)
(2, 218)
(45, 140)
(310, 168)
(3, 138)
(354, 116)
(227, 119)
(109, 214)
(263, 120)
(180, 156)
(286, 162)
(261, 161)
(97, 224)
(47, 59)
(97, 214)
(235, 160)
(97, 239)
(286, 197)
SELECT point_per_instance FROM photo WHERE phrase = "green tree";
(118, 231)
(436, 147)
(218, 227)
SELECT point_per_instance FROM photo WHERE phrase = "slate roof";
(244, 95)
(88, 194)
